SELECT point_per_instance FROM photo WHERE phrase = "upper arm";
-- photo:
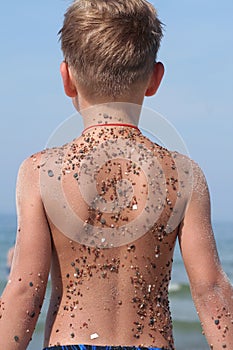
(33, 244)
(196, 237)
(31, 262)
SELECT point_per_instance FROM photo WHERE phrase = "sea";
(187, 330)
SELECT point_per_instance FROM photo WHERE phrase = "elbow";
(27, 295)
(205, 291)
(211, 291)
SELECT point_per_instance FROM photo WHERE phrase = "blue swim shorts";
(94, 347)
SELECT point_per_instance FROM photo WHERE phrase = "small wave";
(175, 287)
(179, 290)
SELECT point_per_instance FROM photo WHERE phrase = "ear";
(68, 80)
(155, 80)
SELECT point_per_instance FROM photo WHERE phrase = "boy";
(104, 211)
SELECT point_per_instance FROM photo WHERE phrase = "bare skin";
(111, 295)
(119, 293)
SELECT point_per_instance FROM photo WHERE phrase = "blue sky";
(196, 95)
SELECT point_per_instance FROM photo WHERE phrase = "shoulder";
(199, 179)
(189, 167)
(28, 178)
(198, 203)
(34, 164)
(30, 167)
(191, 177)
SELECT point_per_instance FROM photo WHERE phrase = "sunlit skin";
(112, 295)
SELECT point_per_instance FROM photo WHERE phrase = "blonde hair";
(110, 44)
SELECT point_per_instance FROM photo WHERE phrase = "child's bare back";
(112, 258)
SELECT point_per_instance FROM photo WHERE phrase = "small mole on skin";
(16, 338)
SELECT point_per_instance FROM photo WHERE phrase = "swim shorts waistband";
(97, 347)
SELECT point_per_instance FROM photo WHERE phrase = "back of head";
(110, 45)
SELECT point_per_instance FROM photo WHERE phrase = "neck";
(111, 113)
